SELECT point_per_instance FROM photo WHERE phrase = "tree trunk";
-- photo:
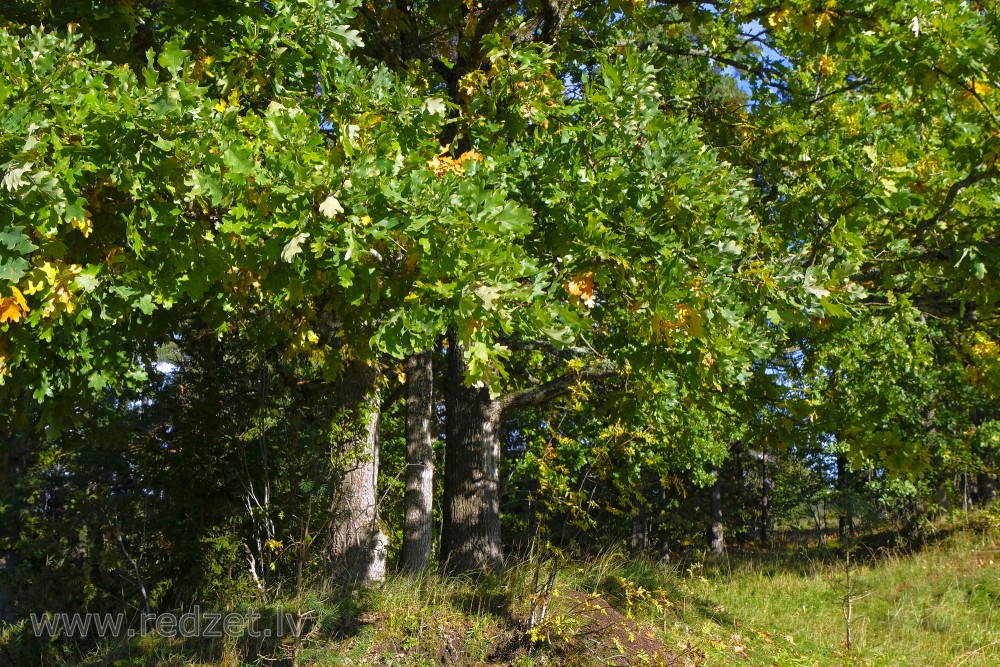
(15, 464)
(470, 534)
(986, 489)
(637, 540)
(716, 540)
(419, 496)
(742, 527)
(470, 538)
(358, 544)
(845, 521)
(765, 499)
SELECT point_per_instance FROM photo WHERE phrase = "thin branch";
(949, 199)
(542, 346)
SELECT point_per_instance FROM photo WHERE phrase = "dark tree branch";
(846, 88)
(547, 391)
(541, 346)
(763, 72)
(949, 199)
(373, 27)
(554, 14)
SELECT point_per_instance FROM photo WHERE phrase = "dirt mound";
(608, 635)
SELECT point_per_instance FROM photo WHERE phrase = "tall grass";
(933, 606)
(938, 606)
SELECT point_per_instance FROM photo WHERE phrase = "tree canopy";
(650, 240)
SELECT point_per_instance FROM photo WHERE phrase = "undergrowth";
(932, 602)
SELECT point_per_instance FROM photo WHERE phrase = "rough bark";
(986, 489)
(357, 542)
(419, 495)
(470, 538)
(765, 500)
(15, 462)
(637, 539)
(742, 532)
(716, 536)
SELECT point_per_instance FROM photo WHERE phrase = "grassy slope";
(937, 606)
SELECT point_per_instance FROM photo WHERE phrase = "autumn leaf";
(470, 155)
(445, 164)
(9, 311)
(294, 246)
(825, 19)
(13, 308)
(85, 225)
(331, 207)
(20, 299)
(582, 286)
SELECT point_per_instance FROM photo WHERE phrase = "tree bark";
(716, 540)
(470, 535)
(15, 463)
(418, 498)
(845, 521)
(358, 544)
(470, 538)
(637, 539)
(765, 499)
(986, 489)
(743, 527)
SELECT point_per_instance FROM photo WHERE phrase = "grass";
(934, 605)
(938, 606)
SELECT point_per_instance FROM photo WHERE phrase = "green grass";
(938, 606)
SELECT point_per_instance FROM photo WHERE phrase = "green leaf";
(434, 106)
(172, 58)
(15, 240)
(145, 304)
(13, 269)
(238, 159)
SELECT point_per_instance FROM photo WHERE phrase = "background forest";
(299, 296)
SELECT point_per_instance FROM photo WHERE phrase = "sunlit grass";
(938, 606)
(935, 606)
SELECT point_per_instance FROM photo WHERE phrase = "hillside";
(937, 604)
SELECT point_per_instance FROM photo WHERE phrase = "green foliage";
(772, 226)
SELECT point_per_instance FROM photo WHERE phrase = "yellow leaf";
(85, 226)
(20, 299)
(780, 18)
(221, 106)
(825, 19)
(9, 311)
(979, 87)
(582, 286)
(444, 164)
(202, 64)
